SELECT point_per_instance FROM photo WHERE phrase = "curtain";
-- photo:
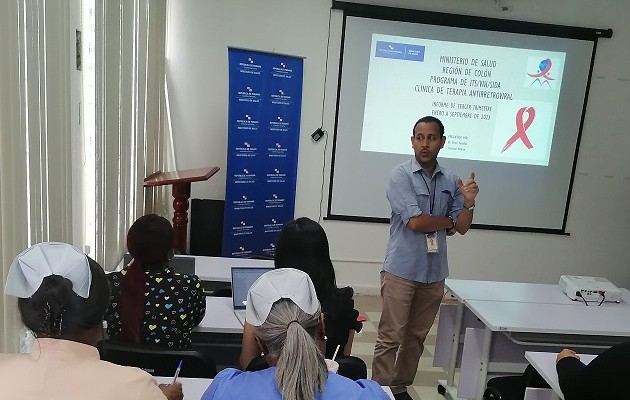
(129, 107)
(52, 161)
(35, 136)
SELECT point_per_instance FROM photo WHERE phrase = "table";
(465, 290)
(219, 317)
(518, 310)
(545, 364)
(218, 269)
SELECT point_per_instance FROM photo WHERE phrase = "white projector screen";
(512, 105)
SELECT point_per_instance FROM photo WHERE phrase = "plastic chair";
(158, 361)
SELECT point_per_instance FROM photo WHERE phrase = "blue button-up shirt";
(409, 196)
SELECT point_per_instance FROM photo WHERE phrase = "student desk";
(194, 388)
(545, 364)
(219, 317)
(218, 269)
(219, 333)
(509, 316)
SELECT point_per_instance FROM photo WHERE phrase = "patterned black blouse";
(175, 304)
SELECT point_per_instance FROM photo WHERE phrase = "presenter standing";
(428, 203)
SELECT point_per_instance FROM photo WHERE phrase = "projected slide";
(497, 103)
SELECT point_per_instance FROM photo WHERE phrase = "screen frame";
(470, 22)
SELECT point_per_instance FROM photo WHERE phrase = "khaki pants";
(409, 310)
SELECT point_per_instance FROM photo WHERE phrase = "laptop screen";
(242, 279)
(181, 264)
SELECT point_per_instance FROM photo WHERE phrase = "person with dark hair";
(303, 245)
(428, 203)
(151, 303)
(62, 296)
(603, 378)
(283, 310)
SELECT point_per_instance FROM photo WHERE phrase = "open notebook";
(242, 279)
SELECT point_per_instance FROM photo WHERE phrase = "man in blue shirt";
(428, 203)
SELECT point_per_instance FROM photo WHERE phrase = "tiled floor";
(425, 385)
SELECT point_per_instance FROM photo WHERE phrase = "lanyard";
(431, 195)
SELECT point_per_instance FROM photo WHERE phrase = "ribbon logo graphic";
(521, 128)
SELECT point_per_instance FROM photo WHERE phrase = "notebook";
(242, 279)
(181, 264)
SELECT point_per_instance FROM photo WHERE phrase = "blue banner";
(265, 102)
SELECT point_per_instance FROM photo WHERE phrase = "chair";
(352, 367)
(513, 387)
(158, 361)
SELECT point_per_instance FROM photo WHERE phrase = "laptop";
(242, 279)
(182, 264)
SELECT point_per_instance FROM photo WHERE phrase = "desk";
(465, 290)
(559, 324)
(218, 269)
(545, 364)
(523, 311)
(549, 319)
(219, 317)
(194, 388)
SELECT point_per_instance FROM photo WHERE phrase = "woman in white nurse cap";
(62, 296)
(282, 307)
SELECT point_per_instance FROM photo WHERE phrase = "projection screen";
(512, 97)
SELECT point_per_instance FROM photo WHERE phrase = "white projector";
(589, 288)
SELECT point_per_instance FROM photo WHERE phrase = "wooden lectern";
(181, 193)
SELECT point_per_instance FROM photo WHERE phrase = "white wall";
(200, 31)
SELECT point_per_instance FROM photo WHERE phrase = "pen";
(179, 368)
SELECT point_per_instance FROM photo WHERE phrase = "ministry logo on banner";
(248, 95)
(274, 201)
(277, 150)
(242, 228)
(249, 66)
(276, 176)
(247, 123)
(246, 149)
(243, 203)
(281, 98)
(273, 226)
(282, 70)
(279, 125)
(244, 175)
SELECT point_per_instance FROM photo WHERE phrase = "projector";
(589, 288)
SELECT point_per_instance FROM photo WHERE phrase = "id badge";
(432, 242)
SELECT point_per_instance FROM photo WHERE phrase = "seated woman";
(303, 245)
(603, 378)
(62, 296)
(151, 303)
(283, 310)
